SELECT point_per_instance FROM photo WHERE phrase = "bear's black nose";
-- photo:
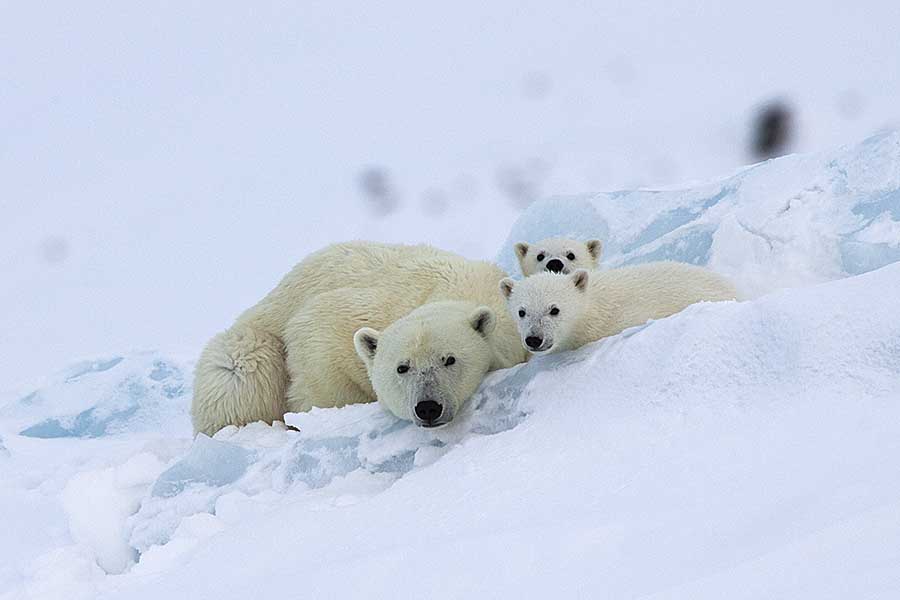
(429, 411)
(534, 342)
(554, 265)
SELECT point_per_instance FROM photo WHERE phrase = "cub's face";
(546, 307)
(425, 367)
(557, 255)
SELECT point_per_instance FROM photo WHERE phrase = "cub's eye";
(402, 369)
(570, 256)
(449, 361)
(521, 313)
(554, 311)
(540, 257)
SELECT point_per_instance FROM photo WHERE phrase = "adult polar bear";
(295, 349)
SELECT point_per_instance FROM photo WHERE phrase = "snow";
(104, 396)
(758, 461)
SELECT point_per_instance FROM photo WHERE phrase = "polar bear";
(557, 255)
(295, 349)
(557, 312)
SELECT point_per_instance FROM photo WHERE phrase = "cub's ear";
(594, 247)
(521, 249)
(506, 286)
(483, 320)
(579, 279)
(366, 342)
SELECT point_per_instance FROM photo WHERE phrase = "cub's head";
(425, 366)
(557, 255)
(546, 307)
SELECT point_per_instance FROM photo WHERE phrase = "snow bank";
(796, 220)
(764, 437)
(106, 396)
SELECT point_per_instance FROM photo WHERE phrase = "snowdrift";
(740, 449)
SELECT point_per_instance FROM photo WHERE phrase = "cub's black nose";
(429, 411)
(554, 265)
(534, 342)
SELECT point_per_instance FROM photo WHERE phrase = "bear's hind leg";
(240, 378)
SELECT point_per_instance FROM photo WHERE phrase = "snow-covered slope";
(737, 449)
(741, 449)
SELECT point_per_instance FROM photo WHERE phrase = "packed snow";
(741, 449)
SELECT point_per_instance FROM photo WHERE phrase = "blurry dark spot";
(54, 249)
(850, 104)
(523, 183)
(773, 130)
(378, 191)
(434, 202)
(536, 85)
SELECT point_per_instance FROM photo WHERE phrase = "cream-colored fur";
(294, 349)
(444, 350)
(558, 255)
(563, 312)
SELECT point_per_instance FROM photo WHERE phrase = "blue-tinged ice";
(796, 220)
(209, 462)
(141, 392)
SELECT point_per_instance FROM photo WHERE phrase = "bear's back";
(419, 273)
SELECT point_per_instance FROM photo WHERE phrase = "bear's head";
(557, 255)
(425, 366)
(546, 308)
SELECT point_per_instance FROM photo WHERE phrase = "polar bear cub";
(557, 255)
(557, 312)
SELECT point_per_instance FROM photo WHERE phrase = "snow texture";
(763, 438)
(796, 220)
(104, 396)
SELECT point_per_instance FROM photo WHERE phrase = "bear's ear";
(521, 249)
(594, 247)
(579, 279)
(483, 320)
(506, 286)
(366, 342)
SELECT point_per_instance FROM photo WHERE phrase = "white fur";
(597, 304)
(295, 348)
(423, 343)
(571, 254)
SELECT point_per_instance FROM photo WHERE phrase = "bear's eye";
(554, 311)
(450, 360)
(540, 257)
(402, 369)
(570, 256)
(521, 313)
